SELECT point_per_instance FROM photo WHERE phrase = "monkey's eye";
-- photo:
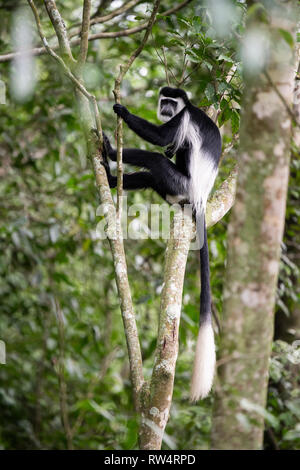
(167, 102)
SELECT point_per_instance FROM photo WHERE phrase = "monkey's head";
(171, 101)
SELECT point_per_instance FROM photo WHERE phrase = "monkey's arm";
(157, 135)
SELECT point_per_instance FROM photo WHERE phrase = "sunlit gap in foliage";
(255, 51)
(116, 4)
(224, 15)
(22, 71)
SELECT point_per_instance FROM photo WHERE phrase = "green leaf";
(62, 277)
(208, 64)
(226, 58)
(101, 411)
(224, 116)
(287, 37)
(224, 86)
(185, 22)
(210, 92)
(193, 56)
(223, 103)
(235, 122)
(197, 23)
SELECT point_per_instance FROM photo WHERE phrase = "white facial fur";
(180, 106)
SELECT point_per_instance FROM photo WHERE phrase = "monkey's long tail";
(205, 356)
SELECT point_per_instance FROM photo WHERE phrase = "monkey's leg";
(168, 178)
(136, 157)
(138, 180)
(166, 175)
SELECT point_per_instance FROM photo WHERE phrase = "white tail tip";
(204, 363)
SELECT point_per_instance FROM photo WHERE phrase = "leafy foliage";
(52, 261)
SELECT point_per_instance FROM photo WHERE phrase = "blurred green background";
(60, 316)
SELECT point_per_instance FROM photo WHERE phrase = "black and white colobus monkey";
(196, 141)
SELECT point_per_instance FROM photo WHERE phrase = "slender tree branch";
(164, 13)
(222, 200)
(117, 248)
(105, 18)
(59, 27)
(124, 69)
(118, 11)
(163, 61)
(67, 70)
(55, 56)
(184, 66)
(37, 51)
(115, 241)
(117, 93)
(101, 6)
(84, 42)
(195, 68)
(166, 65)
(111, 34)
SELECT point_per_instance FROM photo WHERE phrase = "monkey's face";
(168, 107)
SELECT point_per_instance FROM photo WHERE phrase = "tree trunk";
(254, 236)
(156, 410)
